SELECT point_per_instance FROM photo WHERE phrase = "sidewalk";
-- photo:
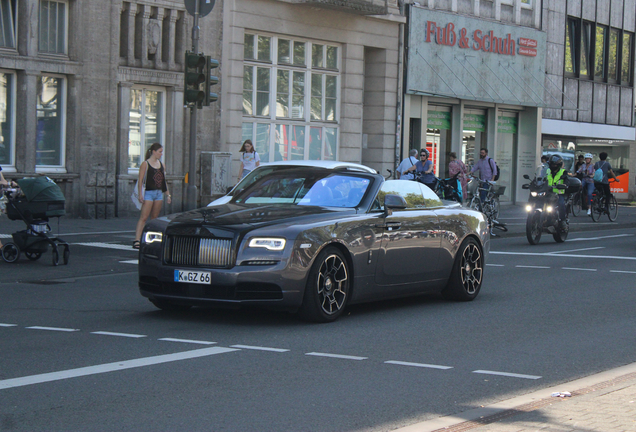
(605, 402)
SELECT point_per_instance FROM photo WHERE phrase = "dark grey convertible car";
(313, 239)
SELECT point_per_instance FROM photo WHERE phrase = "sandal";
(136, 244)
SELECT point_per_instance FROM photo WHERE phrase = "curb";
(522, 404)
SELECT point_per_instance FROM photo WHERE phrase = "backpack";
(598, 174)
(495, 170)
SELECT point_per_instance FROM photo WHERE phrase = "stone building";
(87, 85)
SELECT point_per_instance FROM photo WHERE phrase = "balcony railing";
(361, 7)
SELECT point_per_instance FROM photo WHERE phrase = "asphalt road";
(81, 350)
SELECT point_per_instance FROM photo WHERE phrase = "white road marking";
(118, 334)
(578, 250)
(98, 232)
(599, 238)
(53, 329)
(130, 261)
(187, 341)
(422, 365)
(8, 325)
(552, 254)
(508, 374)
(534, 267)
(111, 367)
(259, 348)
(622, 271)
(6, 236)
(581, 269)
(335, 356)
(495, 265)
(108, 246)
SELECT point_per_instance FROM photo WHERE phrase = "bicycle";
(490, 206)
(598, 206)
(573, 203)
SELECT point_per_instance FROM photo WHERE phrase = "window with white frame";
(8, 23)
(145, 123)
(53, 26)
(51, 119)
(291, 97)
(7, 118)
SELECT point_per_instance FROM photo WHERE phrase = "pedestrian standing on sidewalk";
(249, 159)
(586, 173)
(406, 164)
(455, 166)
(153, 173)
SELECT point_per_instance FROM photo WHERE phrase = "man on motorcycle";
(558, 175)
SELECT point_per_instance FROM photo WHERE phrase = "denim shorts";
(153, 195)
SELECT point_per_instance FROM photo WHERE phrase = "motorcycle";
(543, 212)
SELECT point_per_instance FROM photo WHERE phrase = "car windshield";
(306, 188)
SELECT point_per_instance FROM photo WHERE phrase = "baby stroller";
(35, 201)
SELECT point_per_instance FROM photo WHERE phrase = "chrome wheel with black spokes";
(467, 274)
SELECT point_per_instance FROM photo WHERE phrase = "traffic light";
(210, 80)
(195, 68)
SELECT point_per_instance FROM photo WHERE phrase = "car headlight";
(153, 236)
(273, 244)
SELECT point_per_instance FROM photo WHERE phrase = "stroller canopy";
(38, 189)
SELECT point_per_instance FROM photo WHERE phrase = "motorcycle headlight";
(541, 193)
(534, 194)
(549, 209)
(153, 236)
(528, 208)
(273, 244)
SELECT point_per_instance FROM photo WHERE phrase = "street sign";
(205, 6)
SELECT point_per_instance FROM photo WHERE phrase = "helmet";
(588, 155)
(555, 162)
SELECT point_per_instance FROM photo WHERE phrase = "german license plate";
(186, 276)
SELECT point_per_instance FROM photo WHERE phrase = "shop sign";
(439, 120)
(478, 40)
(507, 125)
(622, 185)
(475, 122)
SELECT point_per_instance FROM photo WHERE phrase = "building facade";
(591, 72)
(86, 86)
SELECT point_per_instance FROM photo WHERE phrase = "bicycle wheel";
(495, 207)
(474, 204)
(597, 208)
(613, 208)
(575, 207)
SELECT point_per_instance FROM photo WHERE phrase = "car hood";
(246, 216)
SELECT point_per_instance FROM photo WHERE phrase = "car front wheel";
(327, 289)
(467, 274)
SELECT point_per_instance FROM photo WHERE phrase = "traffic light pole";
(191, 191)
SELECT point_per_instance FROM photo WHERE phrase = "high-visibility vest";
(556, 180)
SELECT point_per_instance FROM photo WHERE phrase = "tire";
(328, 287)
(10, 252)
(561, 235)
(597, 209)
(169, 306)
(55, 256)
(467, 273)
(534, 228)
(576, 204)
(613, 209)
(66, 254)
(33, 256)
(495, 207)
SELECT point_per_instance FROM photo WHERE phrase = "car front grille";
(196, 251)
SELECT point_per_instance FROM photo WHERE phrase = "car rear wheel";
(169, 306)
(327, 289)
(467, 274)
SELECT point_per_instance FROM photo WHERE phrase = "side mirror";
(525, 186)
(392, 201)
(526, 176)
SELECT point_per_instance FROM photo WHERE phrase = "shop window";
(302, 84)
(145, 123)
(51, 118)
(8, 23)
(53, 25)
(7, 119)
